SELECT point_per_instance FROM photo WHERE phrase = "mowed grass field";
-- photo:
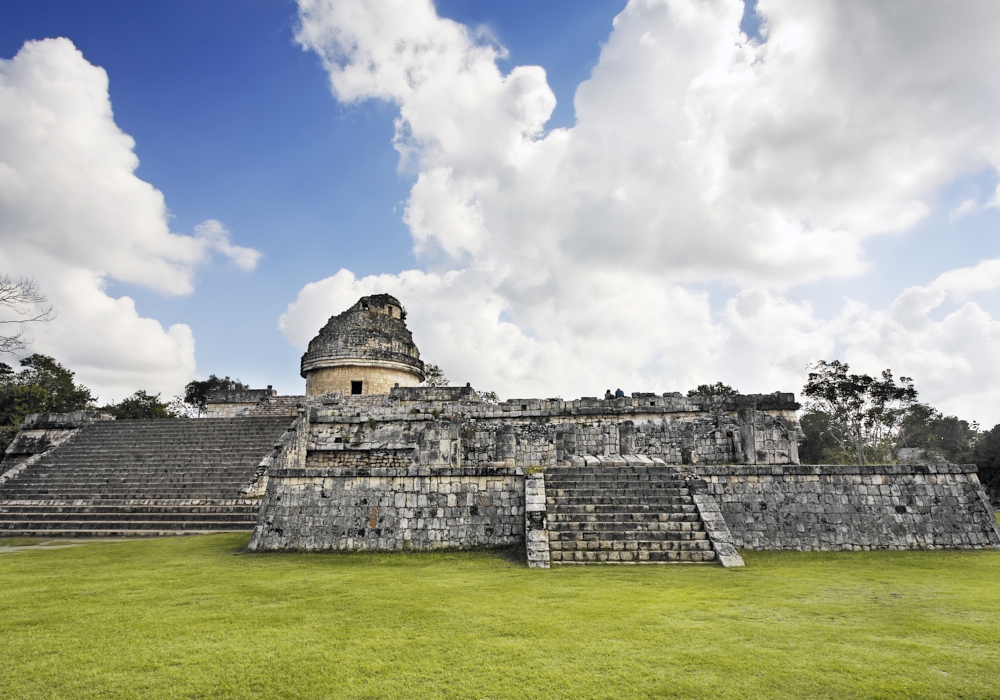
(198, 617)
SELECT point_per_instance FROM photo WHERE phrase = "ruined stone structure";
(365, 350)
(839, 507)
(86, 474)
(230, 403)
(438, 467)
(640, 479)
(632, 480)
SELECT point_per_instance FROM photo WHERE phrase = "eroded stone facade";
(365, 350)
(428, 468)
(853, 507)
(377, 463)
(373, 378)
(232, 403)
(457, 464)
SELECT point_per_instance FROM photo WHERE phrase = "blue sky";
(234, 120)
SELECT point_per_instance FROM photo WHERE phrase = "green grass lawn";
(197, 617)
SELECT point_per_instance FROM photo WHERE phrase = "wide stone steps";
(613, 499)
(124, 485)
(645, 485)
(112, 532)
(623, 515)
(125, 477)
(680, 528)
(623, 556)
(148, 478)
(48, 507)
(138, 526)
(140, 490)
(652, 531)
(123, 503)
(596, 508)
(643, 542)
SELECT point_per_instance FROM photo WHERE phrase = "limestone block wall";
(677, 438)
(41, 431)
(228, 410)
(375, 379)
(390, 509)
(359, 459)
(535, 432)
(274, 406)
(757, 429)
(852, 507)
(230, 403)
(536, 533)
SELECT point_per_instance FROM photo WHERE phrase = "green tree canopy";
(948, 437)
(717, 389)
(863, 414)
(820, 446)
(41, 386)
(196, 392)
(139, 405)
(986, 456)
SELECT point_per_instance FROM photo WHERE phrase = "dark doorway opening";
(356, 387)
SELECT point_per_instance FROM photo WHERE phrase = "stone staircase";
(623, 515)
(142, 477)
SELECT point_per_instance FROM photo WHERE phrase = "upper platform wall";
(760, 429)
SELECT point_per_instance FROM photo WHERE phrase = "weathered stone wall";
(390, 509)
(374, 379)
(529, 433)
(227, 410)
(675, 429)
(359, 459)
(447, 471)
(852, 507)
(39, 431)
(275, 406)
(414, 462)
(536, 534)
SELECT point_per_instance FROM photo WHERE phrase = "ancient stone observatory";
(642, 479)
(437, 467)
(365, 350)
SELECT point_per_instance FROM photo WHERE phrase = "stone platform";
(136, 477)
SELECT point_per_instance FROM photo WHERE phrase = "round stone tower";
(365, 350)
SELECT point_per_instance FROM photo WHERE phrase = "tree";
(947, 437)
(717, 389)
(139, 405)
(21, 299)
(42, 386)
(488, 396)
(819, 446)
(434, 376)
(986, 456)
(196, 393)
(865, 413)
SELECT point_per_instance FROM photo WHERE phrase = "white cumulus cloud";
(698, 156)
(74, 215)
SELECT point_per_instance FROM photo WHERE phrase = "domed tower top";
(365, 350)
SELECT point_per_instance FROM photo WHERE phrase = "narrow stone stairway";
(623, 515)
(142, 477)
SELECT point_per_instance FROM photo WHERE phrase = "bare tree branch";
(21, 298)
